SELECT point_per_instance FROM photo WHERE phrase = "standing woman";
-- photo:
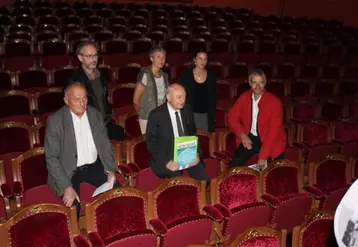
(152, 83)
(200, 85)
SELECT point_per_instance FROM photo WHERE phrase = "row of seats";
(280, 186)
(24, 226)
(334, 77)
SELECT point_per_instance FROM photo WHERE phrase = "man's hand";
(261, 163)
(69, 196)
(245, 140)
(111, 177)
(172, 166)
(195, 162)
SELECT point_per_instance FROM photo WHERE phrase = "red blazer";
(270, 122)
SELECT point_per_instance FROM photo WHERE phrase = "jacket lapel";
(183, 119)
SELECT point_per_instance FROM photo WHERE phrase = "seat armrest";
(213, 213)
(158, 227)
(6, 191)
(95, 239)
(223, 210)
(124, 170)
(270, 200)
(18, 189)
(314, 192)
(134, 168)
(221, 156)
(80, 241)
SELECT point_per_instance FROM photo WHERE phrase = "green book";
(185, 150)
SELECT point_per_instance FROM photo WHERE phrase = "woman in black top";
(200, 85)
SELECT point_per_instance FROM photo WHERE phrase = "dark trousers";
(115, 132)
(197, 172)
(93, 174)
(242, 154)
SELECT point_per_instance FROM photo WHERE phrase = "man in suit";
(77, 148)
(166, 122)
(96, 84)
(256, 119)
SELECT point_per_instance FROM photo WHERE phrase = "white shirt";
(160, 87)
(174, 120)
(86, 149)
(255, 113)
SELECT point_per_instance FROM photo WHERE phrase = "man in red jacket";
(256, 120)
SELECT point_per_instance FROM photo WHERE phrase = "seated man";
(166, 122)
(77, 148)
(256, 120)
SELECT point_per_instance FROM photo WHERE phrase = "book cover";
(185, 150)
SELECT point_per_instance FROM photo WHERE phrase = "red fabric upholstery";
(238, 190)
(141, 238)
(50, 102)
(33, 172)
(159, 227)
(320, 151)
(261, 241)
(80, 241)
(2, 209)
(230, 142)
(345, 131)
(147, 180)
(314, 134)
(95, 239)
(177, 202)
(292, 153)
(331, 174)
(204, 144)
(350, 149)
(42, 229)
(303, 112)
(316, 233)
(19, 106)
(14, 140)
(212, 167)
(331, 111)
(281, 181)
(40, 194)
(122, 215)
(141, 155)
(331, 201)
(9, 177)
(122, 97)
(132, 127)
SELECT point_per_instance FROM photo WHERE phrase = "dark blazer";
(61, 150)
(80, 75)
(160, 136)
(188, 82)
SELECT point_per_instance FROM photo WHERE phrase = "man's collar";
(170, 109)
(97, 74)
(77, 117)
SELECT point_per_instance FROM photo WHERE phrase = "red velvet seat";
(18, 55)
(130, 123)
(128, 73)
(349, 149)
(61, 75)
(5, 194)
(315, 231)
(236, 193)
(48, 100)
(21, 106)
(30, 179)
(345, 130)
(122, 95)
(206, 143)
(15, 137)
(329, 180)
(283, 181)
(260, 236)
(179, 208)
(119, 217)
(223, 90)
(43, 225)
(7, 80)
(298, 89)
(53, 54)
(331, 110)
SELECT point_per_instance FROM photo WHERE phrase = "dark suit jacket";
(160, 136)
(61, 150)
(188, 82)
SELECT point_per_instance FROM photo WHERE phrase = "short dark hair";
(73, 84)
(155, 49)
(196, 53)
(83, 44)
(257, 72)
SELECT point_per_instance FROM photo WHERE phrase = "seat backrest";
(206, 143)
(20, 102)
(178, 198)
(138, 153)
(315, 231)
(314, 132)
(15, 137)
(121, 95)
(283, 177)
(235, 187)
(260, 236)
(44, 224)
(118, 211)
(30, 168)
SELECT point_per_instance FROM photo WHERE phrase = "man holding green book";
(171, 138)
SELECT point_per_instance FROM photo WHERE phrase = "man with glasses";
(96, 84)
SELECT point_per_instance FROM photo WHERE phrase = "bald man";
(166, 122)
(77, 148)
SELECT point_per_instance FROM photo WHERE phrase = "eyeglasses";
(90, 56)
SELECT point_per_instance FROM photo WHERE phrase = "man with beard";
(96, 84)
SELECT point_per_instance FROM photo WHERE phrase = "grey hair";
(171, 86)
(257, 72)
(83, 44)
(71, 85)
(156, 49)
